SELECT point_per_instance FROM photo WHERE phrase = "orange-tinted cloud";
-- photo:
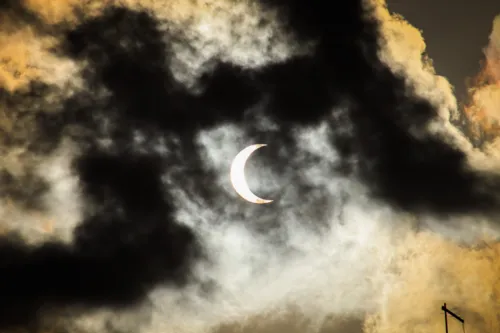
(483, 110)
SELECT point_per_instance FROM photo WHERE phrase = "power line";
(457, 317)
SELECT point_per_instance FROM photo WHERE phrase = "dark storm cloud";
(128, 241)
(25, 190)
(19, 15)
(23, 186)
(18, 11)
(413, 174)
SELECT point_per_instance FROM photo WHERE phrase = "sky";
(119, 122)
(455, 33)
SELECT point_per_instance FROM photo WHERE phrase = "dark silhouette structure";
(446, 311)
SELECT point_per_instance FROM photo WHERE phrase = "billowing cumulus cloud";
(481, 113)
(119, 121)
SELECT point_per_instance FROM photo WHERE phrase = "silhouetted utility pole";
(446, 311)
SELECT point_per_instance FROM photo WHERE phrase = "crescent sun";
(238, 179)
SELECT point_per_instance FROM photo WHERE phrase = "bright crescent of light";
(238, 179)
